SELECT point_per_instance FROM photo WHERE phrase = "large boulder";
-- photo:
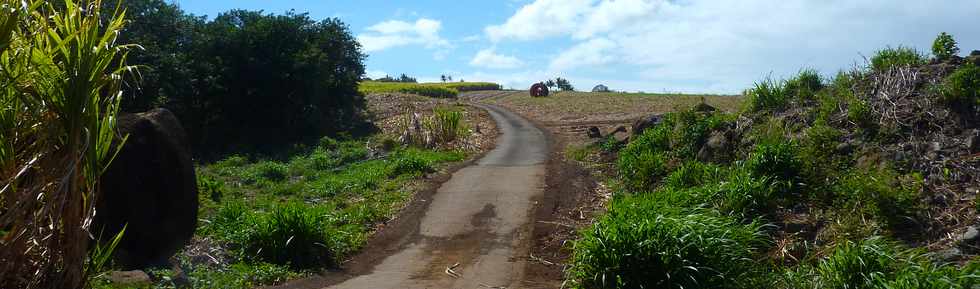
(151, 189)
(643, 124)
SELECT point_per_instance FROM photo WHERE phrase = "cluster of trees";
(560, 84)
(245, 79)
(403, 79)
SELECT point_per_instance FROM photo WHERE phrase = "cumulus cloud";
(395, 33)
(593, 52)
(488, 58)
(724, 46)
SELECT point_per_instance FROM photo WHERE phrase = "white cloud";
(579, 18)
(488, 58)
(541, 19)
(724, 46)
(598, 51)
(395, 33)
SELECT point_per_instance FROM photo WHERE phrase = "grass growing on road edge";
(278, 219)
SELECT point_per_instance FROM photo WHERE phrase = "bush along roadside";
(856, 181)
(265, 221)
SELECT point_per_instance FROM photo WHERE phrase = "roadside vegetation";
(268, 220)
(438, 90)
(861, 180)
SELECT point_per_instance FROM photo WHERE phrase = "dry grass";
(585, 107)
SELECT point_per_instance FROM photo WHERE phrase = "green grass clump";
(447, 124)
(641, 243)
(694, 174)
(768, 95)
(805, 85)
(881, 193)
(890, 58)
(961, 90)
(776, 160)
(293, 235)
(877, 263)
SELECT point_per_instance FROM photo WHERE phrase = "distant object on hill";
(600, 88)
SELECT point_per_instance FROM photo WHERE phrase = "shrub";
(805, 85)
(643, 244)
(694, 174)
(210, 187)
(691, 131)
(447, 124)
(881, 264)
(859, 112)
(293, 235)
(641, 170)
(410, 165)
(859, 265)
(328, 143)
(944, 46)
(775, 160)
(890, 58)
(881, 193)
(961, 90)
(269, 170)
(768, 95)
(817, 154)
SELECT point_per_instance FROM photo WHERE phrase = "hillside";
(867, 179)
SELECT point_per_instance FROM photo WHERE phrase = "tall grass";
(447, 124)
(889, 58)
(60, 71)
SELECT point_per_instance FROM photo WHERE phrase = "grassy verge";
(271, 220)
(437, 90)
(807, 186)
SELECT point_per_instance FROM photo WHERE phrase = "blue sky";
(706, 46)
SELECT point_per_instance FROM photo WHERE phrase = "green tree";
(564, 84)
(944, 46)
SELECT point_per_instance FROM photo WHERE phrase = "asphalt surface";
(476, 232)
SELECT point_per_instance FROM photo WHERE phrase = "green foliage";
(293, 235)
(859, 112)
(768, 95)
(641, 243)
(642, 169)
(961, 90)
(694, 174)
(61, 66)
(777, 161)
(890, 58)
(270, 171)
(944, 46)
(437, 90)
(210, 187)
(447, 124)
(877, 263)
(881, 193)
(805, 85)
(218, 74)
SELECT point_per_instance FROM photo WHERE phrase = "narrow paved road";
(478, 221)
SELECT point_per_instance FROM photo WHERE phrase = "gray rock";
(949, 255)
(135, 278)
(643, 124)
(594, 132)
(973, 142)
(845, 148)
(970, 236)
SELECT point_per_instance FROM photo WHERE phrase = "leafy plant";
(944, 46)
(60, 72)
(890, 58)
(961, 90)
(292, 235)
(447, 124)
(641, 243)
(805, 85)
(768, 95)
